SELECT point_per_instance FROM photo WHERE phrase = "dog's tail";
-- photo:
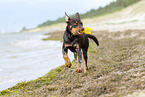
(93, 38)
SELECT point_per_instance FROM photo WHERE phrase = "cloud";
(10, 1)
(34, 12)
(59, 3)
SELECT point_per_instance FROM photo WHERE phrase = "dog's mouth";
(76, 32)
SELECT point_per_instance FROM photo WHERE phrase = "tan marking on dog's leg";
(66, 45)
(77, 63)
(75, 55)
(67, 60)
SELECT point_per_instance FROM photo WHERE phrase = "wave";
(24, 56)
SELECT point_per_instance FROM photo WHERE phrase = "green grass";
(112, 7)
(116, 68)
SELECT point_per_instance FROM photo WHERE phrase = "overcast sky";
(15, 14)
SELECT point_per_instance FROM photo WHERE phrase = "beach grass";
(116, 68)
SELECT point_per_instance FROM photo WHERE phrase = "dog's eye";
(75, 24)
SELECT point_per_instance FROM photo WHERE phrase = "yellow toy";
(87, 30)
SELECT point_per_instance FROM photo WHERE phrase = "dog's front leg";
(79, 57)
(66, 58)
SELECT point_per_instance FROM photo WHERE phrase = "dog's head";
(75, 24)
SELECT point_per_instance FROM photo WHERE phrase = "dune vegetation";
(116, 68)
(131, 17)
(112, 7)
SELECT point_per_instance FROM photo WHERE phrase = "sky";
(16, 14)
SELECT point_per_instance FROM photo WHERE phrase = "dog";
(76, 42)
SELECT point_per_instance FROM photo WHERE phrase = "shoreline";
(20, 64)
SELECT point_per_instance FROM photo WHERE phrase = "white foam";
(26, 57)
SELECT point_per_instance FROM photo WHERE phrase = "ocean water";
(24, 57)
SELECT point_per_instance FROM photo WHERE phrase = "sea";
(25, 57)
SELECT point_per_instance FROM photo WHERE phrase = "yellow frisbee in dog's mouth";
(87, 30)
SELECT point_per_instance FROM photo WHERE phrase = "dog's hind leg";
(84, 56)
(79, 57)
(66, 58)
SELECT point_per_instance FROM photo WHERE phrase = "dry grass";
(116, 68)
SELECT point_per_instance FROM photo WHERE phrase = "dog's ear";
(67, 18)
(77, 15)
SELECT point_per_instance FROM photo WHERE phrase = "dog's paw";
(85, 70)
(78, 70)
(68, 63)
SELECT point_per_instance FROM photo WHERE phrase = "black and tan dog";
(76, 42)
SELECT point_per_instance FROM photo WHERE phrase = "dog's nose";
(82, 29)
